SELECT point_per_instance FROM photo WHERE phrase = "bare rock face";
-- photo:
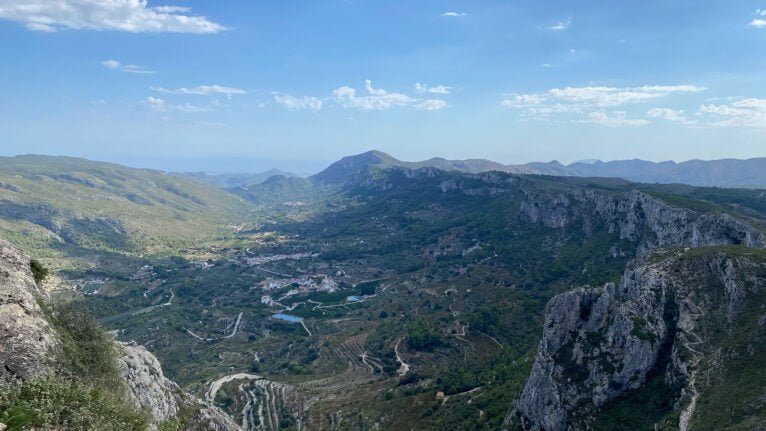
(639, 217)
(148, 386)
(162, 398)
(28, 344)
(601, 343)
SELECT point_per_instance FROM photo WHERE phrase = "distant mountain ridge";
(717, 173)
(235, 180)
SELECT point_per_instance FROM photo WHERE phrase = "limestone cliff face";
(148, 387)
(29, 348)
(162, 398)
(27, 342)
(600, 343)
(637, 216)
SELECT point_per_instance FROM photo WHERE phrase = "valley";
(399, 298)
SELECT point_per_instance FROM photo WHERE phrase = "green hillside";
(55, 206)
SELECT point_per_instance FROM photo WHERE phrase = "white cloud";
(134, 16)
(298, 103)
(431, 105)
(159, 105)
(590, 102)
(561, 25)
(129, 68)
(379, 99)
(674, 115)
(438, 89)
(614, 96)
(759, 22)
(617, 119)
(580, 99)
(202, 90)
(742, 113)
(454, 14)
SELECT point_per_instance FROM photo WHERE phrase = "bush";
(421, 336)
(62, 403)
(39, 272)
(88, 352)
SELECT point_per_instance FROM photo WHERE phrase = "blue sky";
(247, 85)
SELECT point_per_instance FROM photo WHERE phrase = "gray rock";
(600, 343)
(162, 398)
(28, 344)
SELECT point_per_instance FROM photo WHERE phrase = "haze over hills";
(235, 180)
(712, 173)
(717, 173)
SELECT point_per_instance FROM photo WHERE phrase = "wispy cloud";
(741, 113)
(379, 99)
(618, 118)
(437, 89)
(160, 105)
(129, 68)
(431, 105)
(298, 103)
(759, 22)
(561, 25)
(454, 14)
(134, 16)
(202, 90)
(672, 115)
(583, 98)
(591, 103)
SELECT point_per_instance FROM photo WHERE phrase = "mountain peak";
(350, 166)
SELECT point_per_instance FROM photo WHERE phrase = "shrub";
(39, 272)
(63, 403)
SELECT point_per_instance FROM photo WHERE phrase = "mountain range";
(713, 173)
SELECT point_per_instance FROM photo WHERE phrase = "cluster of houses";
(295, 286)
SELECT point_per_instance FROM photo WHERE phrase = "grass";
(64, 403)
(88, 392)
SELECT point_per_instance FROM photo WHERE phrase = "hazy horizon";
(299, 167)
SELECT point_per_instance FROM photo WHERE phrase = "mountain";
(57, 205)
(714, 173)
(350, 167)
(718, 173)
(227, 181)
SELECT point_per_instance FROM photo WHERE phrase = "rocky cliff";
(639, 217)
(30, 348)
(162, 398)
(27, 341)
(670, 321)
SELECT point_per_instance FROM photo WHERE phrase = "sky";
(247, 85)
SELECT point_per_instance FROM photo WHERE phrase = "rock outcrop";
(148, 387)
(28, 344)
(601, 343)
(162, 398)
(30, 347)
(639, 217)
